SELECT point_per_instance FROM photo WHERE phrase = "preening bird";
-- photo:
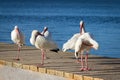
(18, 38)
(70, 44)
(81, 42)
(84, 43)
(42, 42)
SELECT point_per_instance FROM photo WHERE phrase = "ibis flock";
(81, 43)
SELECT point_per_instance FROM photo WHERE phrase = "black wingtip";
(55, 50)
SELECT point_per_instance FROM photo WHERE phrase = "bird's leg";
(45, 54)
(42, 62)
(18, 54)
(86, 63)
(82, 63)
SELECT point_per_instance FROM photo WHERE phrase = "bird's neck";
(82, 30)
(44, 31)
(17, 30)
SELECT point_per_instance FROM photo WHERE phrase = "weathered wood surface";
(102, 67)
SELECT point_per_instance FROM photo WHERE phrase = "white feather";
(42, 42)
(17, 36)
(32, 39)
(76, 43)
(70, 44)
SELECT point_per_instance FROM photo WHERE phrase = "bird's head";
(16, 27)
(45, 29)
(82, 29)
(81, 23)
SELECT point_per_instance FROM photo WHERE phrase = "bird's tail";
(55, 50)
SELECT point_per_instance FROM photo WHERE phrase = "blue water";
(102, 19)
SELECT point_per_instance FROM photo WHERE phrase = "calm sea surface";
(102, 20)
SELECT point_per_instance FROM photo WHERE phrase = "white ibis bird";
(84, 43)
(81, 42)
(42, 42)
(70, 44)
(18, 38)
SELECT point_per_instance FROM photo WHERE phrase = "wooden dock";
(103, 68)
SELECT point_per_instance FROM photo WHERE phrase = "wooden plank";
(59, 73)
(34, 68)
(2, 62)
(88, 78)
(42, 70)
(8, 63)
(17, 65)
(26, 67)
(78, 77)
(69, 75)
(50, 71)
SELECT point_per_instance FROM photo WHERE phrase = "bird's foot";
(87, 69)
(82, 69)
